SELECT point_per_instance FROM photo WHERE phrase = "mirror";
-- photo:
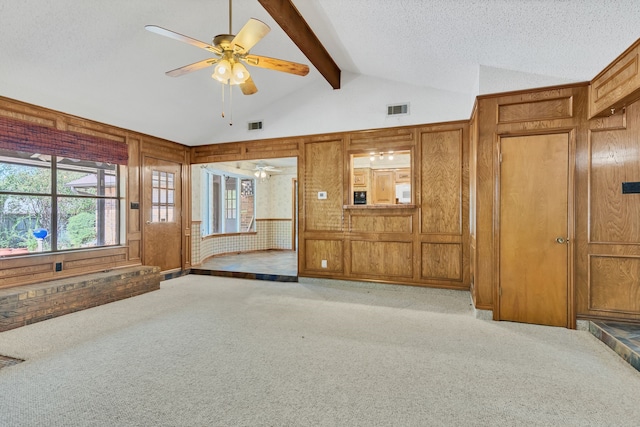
(381, 178)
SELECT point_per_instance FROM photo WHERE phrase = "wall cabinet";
(616, 86)
(383, 187)
(360, 178)
(403, 176)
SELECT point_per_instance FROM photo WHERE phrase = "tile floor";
(623, 338)
(276, 263)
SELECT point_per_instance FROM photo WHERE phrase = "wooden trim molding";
(618, 85)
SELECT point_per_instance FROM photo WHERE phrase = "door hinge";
(500, 157)
(500, 291)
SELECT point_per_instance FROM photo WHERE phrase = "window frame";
(55, 196)
(223, 209)
(365, 188)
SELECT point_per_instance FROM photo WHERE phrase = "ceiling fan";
(261, 171)
(231, 52)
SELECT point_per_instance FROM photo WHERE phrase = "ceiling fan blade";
(192, 67)
(248, 87)
(277, 64)
(183, 38)
(252, 32)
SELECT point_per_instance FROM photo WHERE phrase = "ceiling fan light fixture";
(229, 50)
(240, 73)
(222, 72)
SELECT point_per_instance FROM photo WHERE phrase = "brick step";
(23, 305)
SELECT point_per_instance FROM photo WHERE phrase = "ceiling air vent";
(397, 110)
(255, 125)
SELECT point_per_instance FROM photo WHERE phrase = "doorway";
(534, 229)
(270, 248)
(162, 214)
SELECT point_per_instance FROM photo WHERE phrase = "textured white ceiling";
(94, 59)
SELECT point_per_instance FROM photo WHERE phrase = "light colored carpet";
(211, 351)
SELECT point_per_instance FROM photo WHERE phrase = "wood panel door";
(162, 213)
(533, 229)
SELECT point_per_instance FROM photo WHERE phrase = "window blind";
(18, 135)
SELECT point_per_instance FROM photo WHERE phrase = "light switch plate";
(322, 195)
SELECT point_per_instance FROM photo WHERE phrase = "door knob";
(149, 222)
(562, 240)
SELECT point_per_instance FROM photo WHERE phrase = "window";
(50, 203)
(162, 196)
(229, 203)
(231, 199)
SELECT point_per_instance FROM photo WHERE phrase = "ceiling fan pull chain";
(223, 101)
(230, 105)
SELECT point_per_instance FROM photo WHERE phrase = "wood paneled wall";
(606, 223)
(605, 249)
(247, 150)
(535, 112)
(444, 203)
(322, 172)
(473, 177)
(424, 244)
(15, 271)
(608, 227)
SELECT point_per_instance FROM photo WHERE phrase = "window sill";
(19, 253)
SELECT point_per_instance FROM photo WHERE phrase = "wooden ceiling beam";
(290, 20)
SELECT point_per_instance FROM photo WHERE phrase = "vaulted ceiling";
(94, 59)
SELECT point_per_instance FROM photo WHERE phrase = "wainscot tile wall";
(270, 234)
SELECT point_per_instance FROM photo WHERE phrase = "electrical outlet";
(322, 195)
(58, 266)
(323, 263)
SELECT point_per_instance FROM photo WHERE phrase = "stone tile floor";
(623, 338)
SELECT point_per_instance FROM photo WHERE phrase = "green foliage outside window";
(81, 229)
(85, 203)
